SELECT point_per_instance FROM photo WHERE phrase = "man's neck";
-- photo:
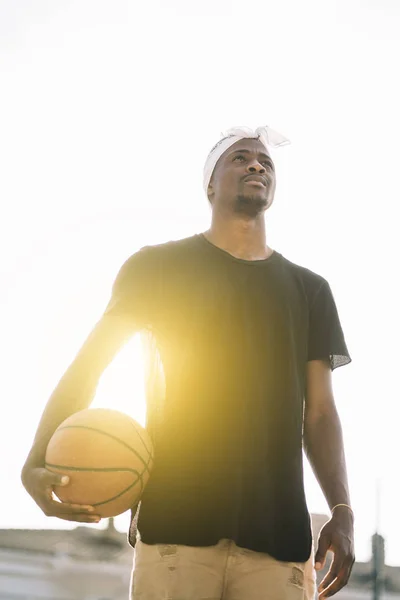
(243, 239)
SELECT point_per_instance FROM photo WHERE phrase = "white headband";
(267, 136)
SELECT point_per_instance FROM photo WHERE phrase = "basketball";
(107, 456)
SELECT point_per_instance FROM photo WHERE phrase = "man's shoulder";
(151, 255)
(308, 278)
(173, 246)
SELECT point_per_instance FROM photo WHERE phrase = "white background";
(107, 112)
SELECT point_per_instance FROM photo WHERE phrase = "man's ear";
(210, 193)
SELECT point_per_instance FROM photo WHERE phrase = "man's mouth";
(256, 180)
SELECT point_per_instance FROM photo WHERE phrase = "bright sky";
(107, 111)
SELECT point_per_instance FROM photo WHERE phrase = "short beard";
(250, 205)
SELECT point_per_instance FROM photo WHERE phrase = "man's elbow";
(320, 418)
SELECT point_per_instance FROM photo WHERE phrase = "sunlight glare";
(121, 386)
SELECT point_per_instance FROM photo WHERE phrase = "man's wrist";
(342, 510)
(342, 505)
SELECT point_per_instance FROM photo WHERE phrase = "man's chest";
(223, 310)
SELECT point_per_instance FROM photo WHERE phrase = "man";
(242, 343)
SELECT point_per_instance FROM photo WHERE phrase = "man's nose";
(255, 167)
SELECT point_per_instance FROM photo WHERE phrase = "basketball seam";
(112, 437)
(99, 470)
(141, 439)
(119, 495)
(139, 478)
(105, 469)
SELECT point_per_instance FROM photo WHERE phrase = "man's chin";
(251, 204)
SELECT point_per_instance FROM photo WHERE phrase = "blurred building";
(95, 564)
(79, 564)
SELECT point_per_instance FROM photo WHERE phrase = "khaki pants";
(221, 572)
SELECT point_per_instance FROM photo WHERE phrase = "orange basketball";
(108, 457)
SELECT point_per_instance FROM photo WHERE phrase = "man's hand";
(74, 392)
(336, 536)
(39, 483)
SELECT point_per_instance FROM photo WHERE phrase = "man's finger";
(333, 573)
(66, 508)
(54, 479)
(324, 543)
(337, 584)
(81, 518)
(347, 569)
(71, 512)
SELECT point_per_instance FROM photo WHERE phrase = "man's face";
(243, 179)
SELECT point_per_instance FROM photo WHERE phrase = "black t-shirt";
(228, 341)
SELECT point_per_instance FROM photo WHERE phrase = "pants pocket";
(154, 571)
(302, 576)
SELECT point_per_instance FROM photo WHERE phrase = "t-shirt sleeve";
(133, 290)
(326, 340)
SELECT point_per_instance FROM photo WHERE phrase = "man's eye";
(239, 156)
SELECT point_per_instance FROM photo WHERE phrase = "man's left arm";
(323, 444)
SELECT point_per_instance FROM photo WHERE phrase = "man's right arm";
(74, 392)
